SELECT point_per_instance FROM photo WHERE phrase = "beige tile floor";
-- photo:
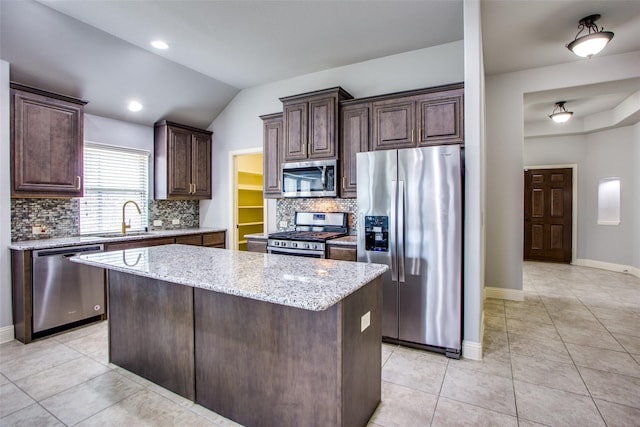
(568, 355)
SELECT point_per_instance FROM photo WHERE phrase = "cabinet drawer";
(216, 239)
(195, 240)
(343, 253)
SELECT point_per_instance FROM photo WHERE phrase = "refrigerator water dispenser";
(376, 231)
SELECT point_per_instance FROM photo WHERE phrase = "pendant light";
(592, 43)
(560, 114)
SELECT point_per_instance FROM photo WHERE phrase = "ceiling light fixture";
(592, 43)
(560, 114)
(135, 106)
(159, 44)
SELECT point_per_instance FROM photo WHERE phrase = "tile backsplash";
(61, 216)
(286, 208)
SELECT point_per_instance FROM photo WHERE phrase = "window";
(113, 175)
(609, 201)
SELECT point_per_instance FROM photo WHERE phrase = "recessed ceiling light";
(135, 106)
(159, 44)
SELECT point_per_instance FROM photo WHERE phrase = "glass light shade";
(135, 106)
(159, 44)
(561, 117)
(591, 44)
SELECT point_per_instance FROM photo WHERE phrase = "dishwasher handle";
(68, 251)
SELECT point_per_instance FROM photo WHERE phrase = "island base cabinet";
(151, 331)
(264, 364)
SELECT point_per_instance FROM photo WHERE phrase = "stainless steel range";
(312, 230)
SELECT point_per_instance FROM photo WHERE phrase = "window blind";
(112, 176)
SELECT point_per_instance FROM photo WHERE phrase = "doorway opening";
(248, 201)
(549, 214)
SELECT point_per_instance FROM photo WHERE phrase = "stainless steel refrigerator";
(410, 218)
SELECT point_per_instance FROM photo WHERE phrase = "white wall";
(598, 155)
(504, 145)
(6, 320)
(119, 133)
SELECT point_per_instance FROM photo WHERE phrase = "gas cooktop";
(309, 236)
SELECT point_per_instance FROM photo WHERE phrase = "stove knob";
(276, 243)
(294, 245)
(306, 245)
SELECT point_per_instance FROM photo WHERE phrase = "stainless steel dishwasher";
(63, 291)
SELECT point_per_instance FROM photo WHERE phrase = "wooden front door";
(547, 214)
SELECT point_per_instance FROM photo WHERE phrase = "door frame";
(233, 199)
(574, 202)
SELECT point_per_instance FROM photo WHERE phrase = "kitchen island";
(261, 339)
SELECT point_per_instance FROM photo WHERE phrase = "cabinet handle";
(78, 182)
(304, 150)
(420, 135)
(344, 186)
(411, 135)
(190, 188)
(194, 188)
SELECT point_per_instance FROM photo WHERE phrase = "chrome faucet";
(124, 223)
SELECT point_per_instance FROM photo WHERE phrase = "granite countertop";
(307, 283)
(27, 245)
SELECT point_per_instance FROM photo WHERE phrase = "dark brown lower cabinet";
(344, 253)
(255, 245)
(257, 363)
(151, 330)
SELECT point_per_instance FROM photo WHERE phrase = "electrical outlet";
(283, 224)
(365, 321)
(39, 229)
(157, 223)
(175, 221)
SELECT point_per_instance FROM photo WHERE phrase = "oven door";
(296, 252)
(309, 179)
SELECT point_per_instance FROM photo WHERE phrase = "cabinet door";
(393, 124)
(296, 131)
(355, 139)
(201, 166)
(440, 118)
(272, 140)
(46, 146)
(179, 162)
(322, 128)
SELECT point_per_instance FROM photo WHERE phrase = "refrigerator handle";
(393, 230)
(400, 231)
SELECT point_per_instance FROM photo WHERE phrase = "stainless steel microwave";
(315, 178)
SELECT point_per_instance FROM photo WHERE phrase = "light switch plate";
(157, 223)
(283, 224)
(365, 321)
(175, 221)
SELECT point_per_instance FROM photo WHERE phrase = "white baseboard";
(503, 293)
(472, 350)
(620, 268)
(6, 334)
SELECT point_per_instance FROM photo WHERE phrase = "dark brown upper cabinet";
(354, 139)
(419, 118)
(310, 124)
(272, 155)
(46, 143)
(182, 162)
